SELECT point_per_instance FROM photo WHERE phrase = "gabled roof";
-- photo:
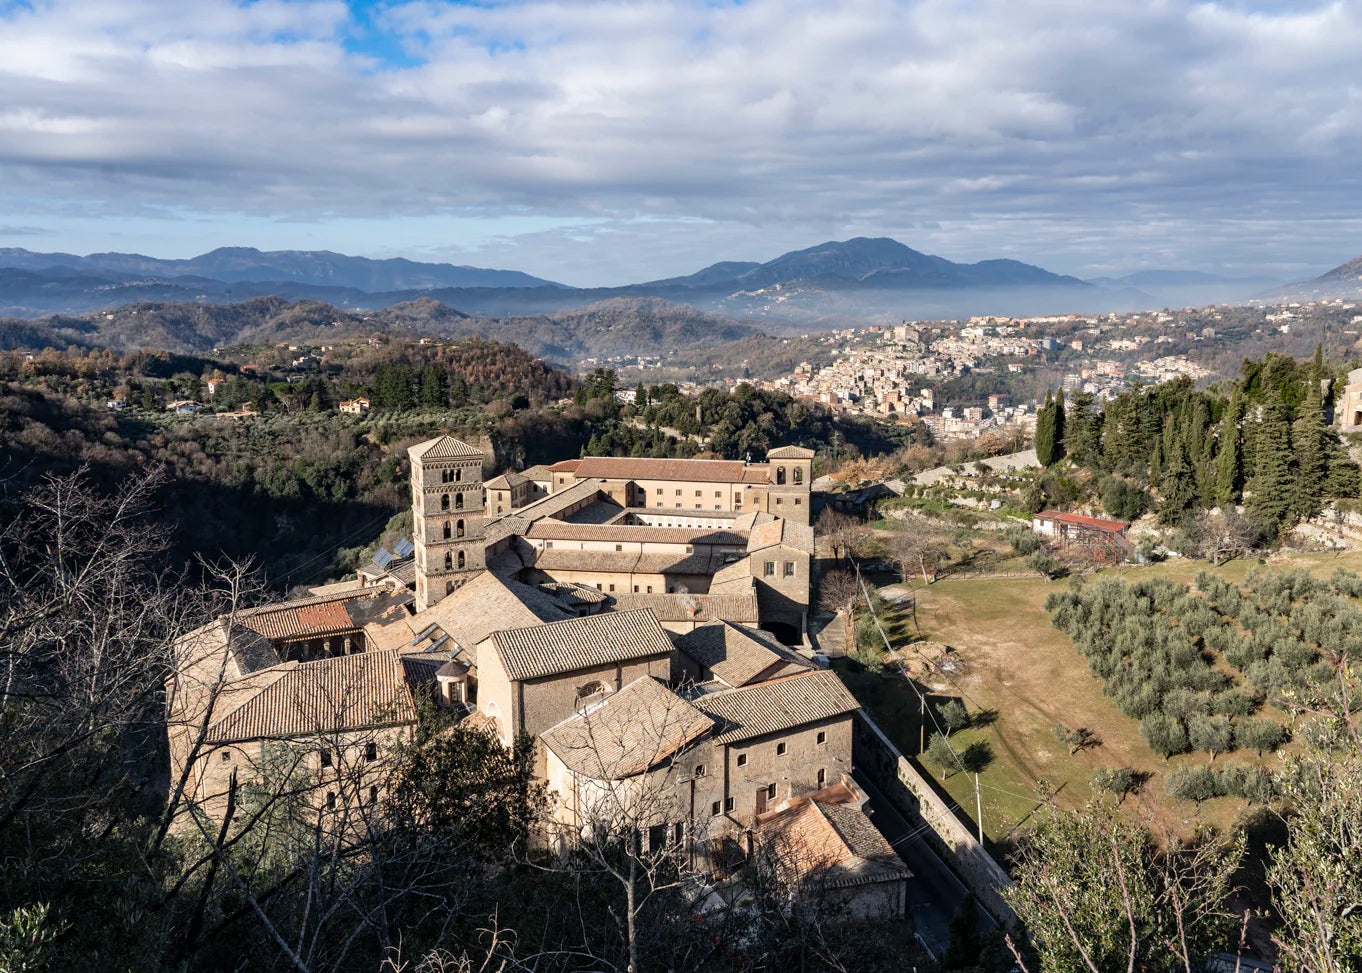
(348, 692)
(777, 705)
(790, 452)
(832, 845)
(628, 732)
(443, 447)
(507, 481)
(734, 606)
(684, 470)
(1079, 520)
(737, 655)
(571, 595)
(539, 474)
(580, 643)
(321, 617)
(557, 530)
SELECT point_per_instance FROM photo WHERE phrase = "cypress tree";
(1082, 431)
(1269, 481)
(1307, 442)
(1046, 452)
(1059, 426)
(1229, 469)
(1179, 487)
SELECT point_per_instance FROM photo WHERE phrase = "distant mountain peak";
(1352, 270)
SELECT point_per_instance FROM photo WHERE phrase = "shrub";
(1194, 784)
(1259, 734)
(1117, 780)
(1164, 734)
(1023, 541)
(1232, 702)
(954, 715)
(1044, 564)
(1210, 733)
(940, 753)
(1253, 784)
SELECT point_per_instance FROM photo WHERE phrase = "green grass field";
(1027, 674)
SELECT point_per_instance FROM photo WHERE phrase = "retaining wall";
(916, 799)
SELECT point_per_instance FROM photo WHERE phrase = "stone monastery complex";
(642, 620)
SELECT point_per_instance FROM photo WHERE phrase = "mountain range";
(825, 286)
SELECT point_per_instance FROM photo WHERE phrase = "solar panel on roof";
(383, 557)
(403, 547)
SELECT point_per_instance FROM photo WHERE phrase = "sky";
(600, 143)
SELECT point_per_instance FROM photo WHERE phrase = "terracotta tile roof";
(580, 643)
(571, 594)
(628, 732)
(557, 530)
(1079, 520)
(349, 692)
(443, 447)
(778, 705)
(506, 481)
(790, 452)
(539, 474)
(832, 845)
(733, 577)
(737, 655)
(474, 611)
(684, 470)
(518, 521)
(305, 617)
(626, 562)
(780, 531)
(565, 466)
(739, 607)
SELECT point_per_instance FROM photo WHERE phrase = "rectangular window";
(330, 800)
(779, 501)
(789, 569)
(635, 589)
(697, 506)
(770, 570)
(598, 586)
(798, 501)
(822, 737)
(678, 833)
(659, 491)
(742, 760)
(612, 588)
(697, 493)
(226, 756)
(822, 776)
(699, 770)
(325, 754)
(728, 803)
(678, 493)
(780, 749)
(650, 589)
(714, 808)
(718, 494)
(690, 549)
(548, 545)
(370, 751)
(619, 547)
(770, 792)
(373, 795)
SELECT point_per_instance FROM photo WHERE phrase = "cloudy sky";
(603, 142)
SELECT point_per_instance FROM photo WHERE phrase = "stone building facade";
(447, 516)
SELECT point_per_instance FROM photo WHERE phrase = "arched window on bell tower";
(780, 475)
(458, 529)
(449, 532)
(458, 474)
(458, 501)
(449, 560)
(798, 475)
(444, 501)
(462, 560)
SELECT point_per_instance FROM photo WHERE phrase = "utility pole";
(979, 808)
(922, 723)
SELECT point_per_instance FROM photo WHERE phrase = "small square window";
(789, 569)
(714, 808)
(612, 588)
(226, 756)
(598, 586)
(548, 545)
(699, 770)
(797, 501)
(728, 803)
(635, 589)
(690, 549)
(742, 760)
(822, 737)
(717, 494)
(779, 501)
(780, 749)
(697, 493)
(659, 491)
(619, 547)
(650, 589)
(770, 569)
(678, 493)
(770, 792)
(325, 755)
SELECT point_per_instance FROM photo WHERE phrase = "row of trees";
(1260, 440)
(1098, 890)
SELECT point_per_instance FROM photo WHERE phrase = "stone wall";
(917, 800)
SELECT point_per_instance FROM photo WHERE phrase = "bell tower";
(447, 516)
(789, 493)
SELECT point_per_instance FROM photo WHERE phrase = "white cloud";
(1070, 133)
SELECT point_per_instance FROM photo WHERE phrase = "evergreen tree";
(434, 387)
(1269, 482)
(1178, 487)
(1059, 426)
(1082, 431)
(1308, 445)
(641, 396)
(1047, 445)
(1229, 469)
